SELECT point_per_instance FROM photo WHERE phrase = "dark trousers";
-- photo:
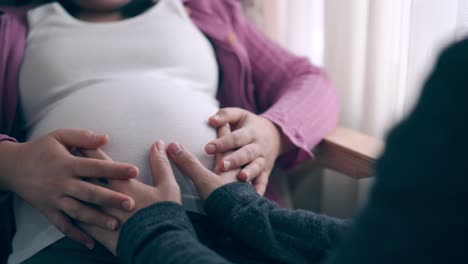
(68, 251)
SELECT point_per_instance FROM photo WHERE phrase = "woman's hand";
(256, 144)
(47, 176)
(165, 189)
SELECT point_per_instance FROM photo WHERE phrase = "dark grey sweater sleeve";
(162, 233)
(282, 235)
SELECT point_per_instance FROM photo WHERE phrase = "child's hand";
(255, 141)
(165, 189)
(205, 180)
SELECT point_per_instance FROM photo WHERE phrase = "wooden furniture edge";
(349, 152)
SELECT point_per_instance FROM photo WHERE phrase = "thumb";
(204, 179)
(160, 166)
(85, 139)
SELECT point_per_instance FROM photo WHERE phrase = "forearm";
(295, 95)
(163, 233)
(282, 235)
(306, 112)
(6, 212)
(8, 150)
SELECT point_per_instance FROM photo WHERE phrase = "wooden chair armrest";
(349, 152)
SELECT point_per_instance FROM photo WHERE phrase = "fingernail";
(97, 138)
(216, 117)
(227, 164)
(127, 205)
(160, 146)
(175, 149)
(133, 172)
(112, 225)
(90, 245)
(210, 149)
(244, 176)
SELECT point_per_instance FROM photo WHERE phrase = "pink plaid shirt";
(256, 74)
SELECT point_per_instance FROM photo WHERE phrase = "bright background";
(378, 52)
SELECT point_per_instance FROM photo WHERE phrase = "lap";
(68, 251)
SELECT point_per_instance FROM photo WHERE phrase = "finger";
(253, 170)
(64, 225)
(160, 166)
(105, 237)
(96, 154)
(230, 176)
(85, 139)
(230, 141)
(222, 131)
(260, 183)
(79, 211)
(92, 168)
(241, 157)
(189, 164)
(228, 116)
(97, 195)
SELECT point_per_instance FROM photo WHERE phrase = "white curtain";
(298, 25)
(378, 52)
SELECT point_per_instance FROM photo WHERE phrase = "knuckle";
(261, 163)
(53, 183)
(73, 211)
(63, 225)
(226, 129)
(160, 159)
(68, 167)
(111, 199)
(223, 112)
(221, 143)
(258, 168)
(54, 218)
(90, 217)
(254, 169)
(251, 133)
(72, 190)
(66, 228)
(236, 140)
(187, 160)
(72, 166)
(90, 194)
(249, 153)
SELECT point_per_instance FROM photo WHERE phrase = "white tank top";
(145, 78)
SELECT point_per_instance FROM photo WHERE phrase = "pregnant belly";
(135, 114)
